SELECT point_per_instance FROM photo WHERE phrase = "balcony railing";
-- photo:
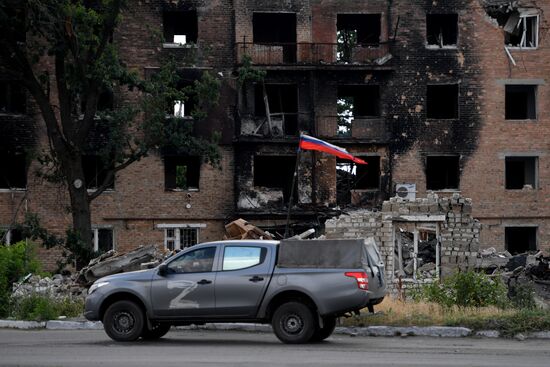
(312, 53)
(362, 128)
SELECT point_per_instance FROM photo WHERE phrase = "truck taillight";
(361, 277)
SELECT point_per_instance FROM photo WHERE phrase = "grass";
(509, 322)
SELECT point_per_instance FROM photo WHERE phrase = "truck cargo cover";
(343, 254)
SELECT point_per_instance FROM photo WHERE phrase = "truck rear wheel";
(123, 321)
(329, 324)
(294, 323)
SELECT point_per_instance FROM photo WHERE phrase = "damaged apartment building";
(436, 96)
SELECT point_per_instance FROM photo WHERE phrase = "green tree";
(67, 46)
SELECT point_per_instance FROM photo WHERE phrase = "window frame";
(174, 161)
(534, 227)
(262, 259)
(176, 227)
(96, 229)
(523, 158)
(523, 20)
(8, 240)
(445, 189)
(534, 90)
(433, 46)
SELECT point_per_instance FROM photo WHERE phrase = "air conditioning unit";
(406, 191)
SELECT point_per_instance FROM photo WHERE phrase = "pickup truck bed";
(230, 281)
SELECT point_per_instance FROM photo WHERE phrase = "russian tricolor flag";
(310, 143)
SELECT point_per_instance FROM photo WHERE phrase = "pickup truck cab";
(233, 281)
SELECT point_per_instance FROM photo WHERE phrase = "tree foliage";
(65, 53)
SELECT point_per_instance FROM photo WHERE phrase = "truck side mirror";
(163, 269)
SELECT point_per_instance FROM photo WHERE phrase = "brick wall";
(457, 234)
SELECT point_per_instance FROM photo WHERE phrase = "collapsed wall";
(420, 240)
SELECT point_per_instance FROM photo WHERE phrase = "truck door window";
(240, 257)
(197, 261)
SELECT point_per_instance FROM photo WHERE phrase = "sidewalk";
(386, 331)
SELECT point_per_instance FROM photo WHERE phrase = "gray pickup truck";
(300, 287)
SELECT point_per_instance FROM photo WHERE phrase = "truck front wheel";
(123, 321)
(294, 323)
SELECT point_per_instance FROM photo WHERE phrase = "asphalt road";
(222, 348)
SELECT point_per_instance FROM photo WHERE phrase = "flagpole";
(292, 187)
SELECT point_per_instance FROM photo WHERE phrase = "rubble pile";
(425, 257)
(56, 287)
(523, 270)
(112, 263)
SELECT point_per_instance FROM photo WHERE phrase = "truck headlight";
(96, 286)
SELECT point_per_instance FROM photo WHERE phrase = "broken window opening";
(275, 172)
(282, 102)
(519, 240)
(442, 172)
(13, 174)
(356, 30)
(178, 238)
(344, 110)
(180, 27)
(276, 30)
(103, 239)
(95, 172)
(184, 108)
(356, 102)
(417, 252)
(10, 236)
(13, 98)
(182, 173)
(442, 101)
(105, 101)
(441, 29)
(521, 173)
(351, 176)
(522, 30)
(520, 102)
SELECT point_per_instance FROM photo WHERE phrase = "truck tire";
(329, 324)
(123, 321)
(293, 323)
(157, 331)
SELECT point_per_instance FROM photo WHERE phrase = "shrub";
(16, 261)
(40, 308)
(467, 289)
(522, 295)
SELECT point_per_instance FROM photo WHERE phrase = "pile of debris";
(240, 229)
(57, 287)
(405, 255)
(112, 262)
(530, 270)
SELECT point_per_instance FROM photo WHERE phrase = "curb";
(376, 331)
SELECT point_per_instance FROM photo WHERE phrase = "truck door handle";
(256, 278)
(204, 281)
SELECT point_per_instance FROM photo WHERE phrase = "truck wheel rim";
(123, 322)
(292, 324)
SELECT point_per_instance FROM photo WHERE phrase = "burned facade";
(449, 97)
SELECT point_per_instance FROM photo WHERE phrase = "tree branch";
(63, 97)
(111, 175)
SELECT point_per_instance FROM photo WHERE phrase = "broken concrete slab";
(119, 263)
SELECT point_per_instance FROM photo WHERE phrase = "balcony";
(360, 129)
(315, 54)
